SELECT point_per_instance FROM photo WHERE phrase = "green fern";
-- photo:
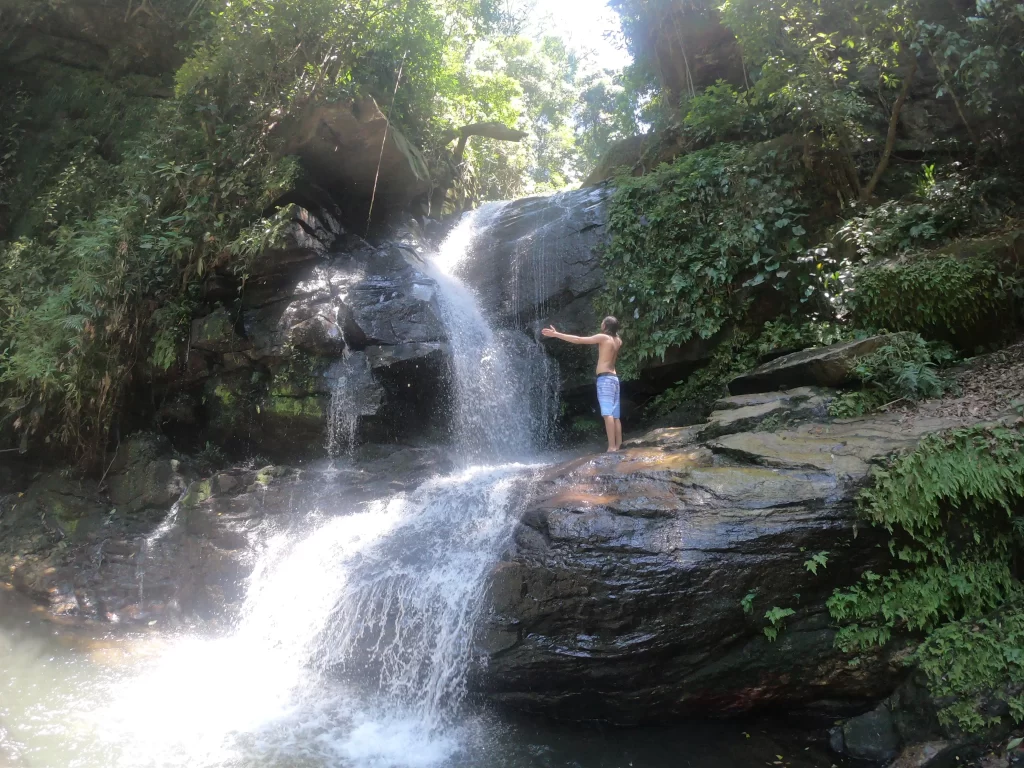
(950, 507)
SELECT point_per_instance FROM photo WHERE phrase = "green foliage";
(784, 336)
(686, 238)
(949, 506)
(809, 57)
(707, 384)
(974, 660)
(606, 112)
(777, 617)
(939, 210)
(534, 86)
(747, 603)
(905, 368)
(721, 113)
(106, 237)
(740, 353)
(817, 561)
(944, 294)
(980, 59)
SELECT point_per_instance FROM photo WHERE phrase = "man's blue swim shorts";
(608, 395)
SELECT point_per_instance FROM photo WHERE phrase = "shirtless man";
(608, 345)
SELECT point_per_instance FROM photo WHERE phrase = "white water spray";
(355, 640)
(506, 387)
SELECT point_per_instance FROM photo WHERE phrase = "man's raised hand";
(549, 332)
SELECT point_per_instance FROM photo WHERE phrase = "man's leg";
(618, 434)
(609, 428)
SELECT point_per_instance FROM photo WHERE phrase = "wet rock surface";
(142, 549)
(623, 595)
(871, 736)
(538, 264)
(351, 150)
(743, 413)
(326, 315)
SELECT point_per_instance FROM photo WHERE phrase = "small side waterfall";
(352, 395)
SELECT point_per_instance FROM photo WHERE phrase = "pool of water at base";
(75, 696)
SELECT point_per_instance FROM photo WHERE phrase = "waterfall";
(353, 394)
(506, 387)
(356, 635)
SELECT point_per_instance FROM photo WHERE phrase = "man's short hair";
(610, 325)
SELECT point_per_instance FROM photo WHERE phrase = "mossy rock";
(216, 332)
(198, 492)
(230, 401)
(965, 293)
(301, 376)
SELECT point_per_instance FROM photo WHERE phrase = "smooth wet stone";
(143, 475)
(831, 366)
(761, 398)
(872, 736)
(784, 409)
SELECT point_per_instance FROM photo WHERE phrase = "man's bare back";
(608, 352)
(608, 387)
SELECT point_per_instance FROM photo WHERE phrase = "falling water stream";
(356, 636)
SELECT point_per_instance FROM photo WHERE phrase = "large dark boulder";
(832, 366)
(538, 260)
(538, 263)
(623, 595)
(872, 736)
(143, 476)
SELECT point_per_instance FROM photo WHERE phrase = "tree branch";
(949, 88)
(890, 139)
(490, 130)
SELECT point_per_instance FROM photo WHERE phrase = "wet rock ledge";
(637, 585)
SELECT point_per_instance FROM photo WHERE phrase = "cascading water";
(506, 387)
(356, 635)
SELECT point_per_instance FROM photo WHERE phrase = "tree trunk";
(952, 94)
(890, 139)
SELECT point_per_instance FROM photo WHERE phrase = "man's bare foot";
(612, 450)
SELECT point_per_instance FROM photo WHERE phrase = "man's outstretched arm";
(551, 333)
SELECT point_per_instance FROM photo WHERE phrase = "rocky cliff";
(327, 316)
(677, 577)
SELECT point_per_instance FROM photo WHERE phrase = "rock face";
(325, 317)
(831, 366)
(872, 736)
(127, 554)
(623, 596)
(94, 34)
(637, 154)
(344, 149)
(538, 264)
(538, 260)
